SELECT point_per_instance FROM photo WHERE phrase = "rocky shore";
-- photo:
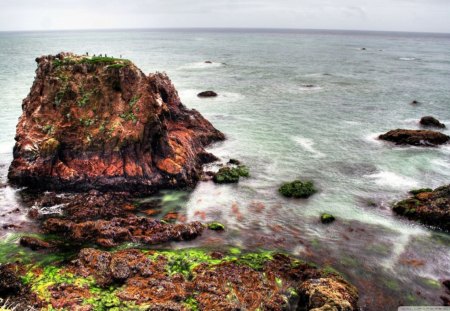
(96, 134)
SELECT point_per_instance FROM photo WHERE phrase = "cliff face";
(100, 123)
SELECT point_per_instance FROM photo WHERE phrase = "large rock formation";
(415, 137)
(101, 123)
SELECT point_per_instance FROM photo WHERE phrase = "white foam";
(373, 138)
(308, 145)
(392, 180)
(200, 65)
(441, 163)
(407, 58)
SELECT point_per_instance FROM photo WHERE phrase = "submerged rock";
(431, 121)
(430, 207)
(189, 279)
(297, 189)
(101, 123)
(109, 233)
(415, 137)
(35, 243)
(207, 94)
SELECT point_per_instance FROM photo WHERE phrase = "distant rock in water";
(208, 62)
(101, 123)
(427, 206)
(415, 102)
(415, 137)
(207, 94)
(431, 121)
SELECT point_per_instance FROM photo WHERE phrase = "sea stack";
(101, 123)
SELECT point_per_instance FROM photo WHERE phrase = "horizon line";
(223, 28)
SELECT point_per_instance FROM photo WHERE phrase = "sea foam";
(308, 145)
(392, 180)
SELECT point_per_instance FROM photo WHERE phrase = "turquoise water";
(284, 130)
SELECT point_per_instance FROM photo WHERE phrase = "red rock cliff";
(101, 123)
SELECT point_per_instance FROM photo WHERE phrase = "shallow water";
(283, 128)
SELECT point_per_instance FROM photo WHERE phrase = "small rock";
(9, 281)
(208, 62)
(234, 162)
(35, 243)
(207, 94)
(446, 283)
(297, 189)
(216, 226)
(327, 218)
(431, 121)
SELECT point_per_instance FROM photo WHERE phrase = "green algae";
(297, 189)
(192, 304)
(11, 251)
(327, 218)
(216, 226)
(229, 175)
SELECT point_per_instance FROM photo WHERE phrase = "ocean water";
(283, 130)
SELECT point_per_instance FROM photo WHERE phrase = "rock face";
(415, 137)
(432, 122)
(100, 123)
(430, 207)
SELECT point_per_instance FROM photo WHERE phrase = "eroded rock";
(100, 123)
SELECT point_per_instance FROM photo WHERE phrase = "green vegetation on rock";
(327, 218)
(297, 189)
(216, 226)
(227, 175)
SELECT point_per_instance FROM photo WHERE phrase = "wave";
(393, 180)
(200, 65)
(308, 145)
(407, 58)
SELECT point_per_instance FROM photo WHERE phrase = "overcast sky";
(398, 15)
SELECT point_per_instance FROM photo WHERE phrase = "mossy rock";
(297, 189)
(327, 218)
(419, 191)
(49, 147)
(229, 175)
(216, 226)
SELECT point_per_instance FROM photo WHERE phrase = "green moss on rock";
(297, 189)
(327, 218)
(228, 175)
(419, 191)
(49, 147)
(216, 226)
